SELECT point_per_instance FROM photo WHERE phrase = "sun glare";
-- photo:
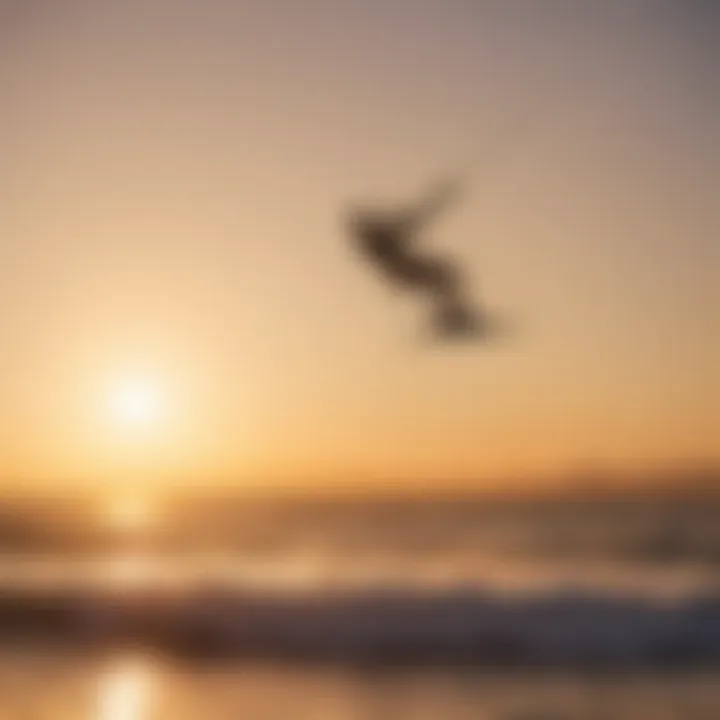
(136, 404)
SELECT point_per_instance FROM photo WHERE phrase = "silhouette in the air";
(389, 242)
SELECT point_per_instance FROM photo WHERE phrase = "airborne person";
(389, 242)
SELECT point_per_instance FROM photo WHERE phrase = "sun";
(136, 403)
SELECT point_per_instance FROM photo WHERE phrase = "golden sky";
(174, 175)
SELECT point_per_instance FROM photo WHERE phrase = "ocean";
(42, 685)
(361, 610)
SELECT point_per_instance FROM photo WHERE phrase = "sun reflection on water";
(125, 691)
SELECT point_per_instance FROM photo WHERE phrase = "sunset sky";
(179, 297)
